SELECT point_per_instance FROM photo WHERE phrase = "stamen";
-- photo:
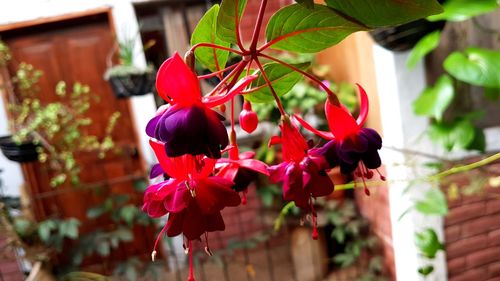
(207, 248)
(367, 191)
(191, 190)
(153, 254)
(367, 173)
(380, 175)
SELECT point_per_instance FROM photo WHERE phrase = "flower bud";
(248, 118)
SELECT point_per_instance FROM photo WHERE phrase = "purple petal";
(151, 126)
(156, 171)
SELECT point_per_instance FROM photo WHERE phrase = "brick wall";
(472, 232)
(375, 208)
(9, 268)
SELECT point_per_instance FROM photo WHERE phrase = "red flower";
(302, 172)
(241, 169)
(189, 125)
(350, 146)
(192, 197)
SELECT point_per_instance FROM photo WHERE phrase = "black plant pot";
(405, 36)
(132, 85)
(24, 152)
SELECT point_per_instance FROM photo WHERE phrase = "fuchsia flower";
(302, 171)
(352, 147)
(241, 169)
(189, 125)
(192, 197)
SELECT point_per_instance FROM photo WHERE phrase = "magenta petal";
(277, 172)
(320, 184)
(255, 165)
(193, 225)
(215, 193)
(154, 209)
(175, 81)
(175, 223)
(215, 222)
(292, 182)
(178, 197)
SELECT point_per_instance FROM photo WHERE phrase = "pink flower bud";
(248, 118)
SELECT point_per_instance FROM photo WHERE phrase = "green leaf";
(480, 67)
(22, 226)
(428, 243)
(127, 213)
(69, 228)
(124, 234)
(226, 19)
(104, 249)
(96, 212)
(45, 228)
(426, 270)
(434, 100)
(299, 29)
(205, 32)
(424, 46)
(460, 10)
(306, 3)
(434, 203)
(377, 13)
(454, 135)
(479, 141)
(492, 94)
(339, 235)
(282, 78)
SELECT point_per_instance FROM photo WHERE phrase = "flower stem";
(210, 75)
(235, 74)
(237, 25)
(331, 95)
(214, 46)
(258, 24)
(275, 96)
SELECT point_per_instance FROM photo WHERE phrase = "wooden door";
(76, 50)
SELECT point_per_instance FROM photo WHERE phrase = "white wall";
(143, 107)
(11, 175)
(398, 88)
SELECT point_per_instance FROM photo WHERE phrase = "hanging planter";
(132, 84)
(125, 78)
(23, 152)
(405, 36)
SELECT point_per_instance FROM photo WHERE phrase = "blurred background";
(77, 85)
